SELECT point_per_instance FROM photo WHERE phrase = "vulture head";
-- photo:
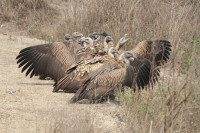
(67, 37)
(89, 42)
(127, 57)
(112, 51)
(108, 39)
(122, 41)
(108, 42)
(76, 35)
(95, 37)
(82, 41)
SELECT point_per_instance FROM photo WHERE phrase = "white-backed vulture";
(112, 75)
(74, 37)
(51, 59)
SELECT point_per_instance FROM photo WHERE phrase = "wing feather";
(52, 59)
(157, 51)
(100, 82)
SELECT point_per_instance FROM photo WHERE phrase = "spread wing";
(52, 59)
(141, 73)
(157, 51)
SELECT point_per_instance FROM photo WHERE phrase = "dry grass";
(27, 15)
(174, 104)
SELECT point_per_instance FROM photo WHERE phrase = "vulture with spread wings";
(52, 59)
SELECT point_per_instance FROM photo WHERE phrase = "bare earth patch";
(28, 105)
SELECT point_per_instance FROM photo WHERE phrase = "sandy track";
(28, 105)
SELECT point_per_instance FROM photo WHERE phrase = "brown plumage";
(77, 72)
(52, 59)
(106, 80)
(103, 48)
(157, 51)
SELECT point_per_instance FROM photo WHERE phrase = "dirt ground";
(29, 106)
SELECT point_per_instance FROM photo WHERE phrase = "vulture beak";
(80, 35)
(131, 58)
(77, 34)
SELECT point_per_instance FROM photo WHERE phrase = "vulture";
(52, 59)
(112, 75)
(74, 37)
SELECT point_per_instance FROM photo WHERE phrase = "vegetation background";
(174, 104)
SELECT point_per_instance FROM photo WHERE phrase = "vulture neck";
(107, 46)
(96, 40)
(85, 45)
(118, 46)
(74, 39)
(127, 62)
(89, 44)
(111, 54)
(121, 57)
